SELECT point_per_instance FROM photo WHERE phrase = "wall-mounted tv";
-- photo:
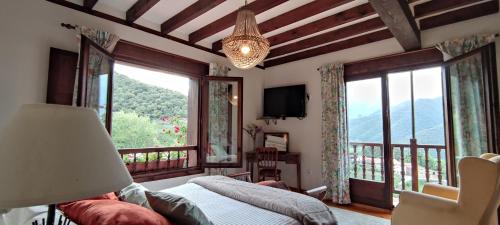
(289, 101)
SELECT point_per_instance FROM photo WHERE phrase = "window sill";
(160, 175)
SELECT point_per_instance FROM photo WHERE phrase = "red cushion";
(110, 212)
(110, 196)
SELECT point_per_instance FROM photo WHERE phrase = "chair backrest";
(267, 158)
(480, 187)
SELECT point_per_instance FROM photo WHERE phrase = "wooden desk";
(287, 157)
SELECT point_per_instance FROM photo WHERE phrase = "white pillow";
(134, 194)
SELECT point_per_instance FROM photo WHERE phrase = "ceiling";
(297, 29)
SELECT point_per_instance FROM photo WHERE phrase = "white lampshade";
(52, 154)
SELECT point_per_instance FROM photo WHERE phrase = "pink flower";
(177, 129)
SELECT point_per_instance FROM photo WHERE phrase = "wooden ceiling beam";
(356, 29)
(432, 7)
(190, 13)
(463, 14)
(89, 4)
(340, 18)
(397, 16)
(139, 8)
(292, 16)
(227, 21)
(337, 46)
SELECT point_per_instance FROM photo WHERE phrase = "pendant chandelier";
(246, 47)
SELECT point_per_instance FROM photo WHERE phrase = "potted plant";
(253, 130)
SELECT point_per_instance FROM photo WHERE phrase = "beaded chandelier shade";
(246, 47)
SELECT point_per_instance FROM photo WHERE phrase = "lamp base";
(51, 214)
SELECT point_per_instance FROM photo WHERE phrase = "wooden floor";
(383, 213)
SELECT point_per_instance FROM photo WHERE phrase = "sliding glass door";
(368, 143)
(417, 128)
(396, 134)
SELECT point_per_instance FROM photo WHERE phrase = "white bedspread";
(222, 210)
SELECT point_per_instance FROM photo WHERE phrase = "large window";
(153, 108)
(166, 116)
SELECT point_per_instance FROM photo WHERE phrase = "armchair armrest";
(421, 200)
(441, 191)
(318, 192)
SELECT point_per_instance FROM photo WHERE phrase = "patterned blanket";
(305, 209)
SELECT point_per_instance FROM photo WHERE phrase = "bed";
(222, 210)
(226, 201)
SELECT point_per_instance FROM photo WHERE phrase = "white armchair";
(475, 203)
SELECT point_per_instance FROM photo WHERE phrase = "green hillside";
(130, 95)
(147, 116)
(428, 124)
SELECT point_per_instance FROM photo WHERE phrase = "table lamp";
(52, 154)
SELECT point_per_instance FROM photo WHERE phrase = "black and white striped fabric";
(222, 210)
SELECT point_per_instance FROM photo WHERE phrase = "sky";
(160, 79)
(366, 95)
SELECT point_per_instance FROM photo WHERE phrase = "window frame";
(372, 192)
(239, 122)
(146, 57)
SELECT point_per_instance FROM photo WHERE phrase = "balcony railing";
(413, 164)
(146, 163)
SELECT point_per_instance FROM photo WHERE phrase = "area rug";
(346, 217)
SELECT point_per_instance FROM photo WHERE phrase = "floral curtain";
(335, 156)
(218, 113)
(98, 69)
(467, 97)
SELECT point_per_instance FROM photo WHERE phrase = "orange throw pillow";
(110, 212)
(109, 196)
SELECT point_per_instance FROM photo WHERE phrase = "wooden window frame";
(136, 54)
(373, 192)
(409, 61)
(490, 84)
(204, 135)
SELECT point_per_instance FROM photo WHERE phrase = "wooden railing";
(152, 160)
(410, 161)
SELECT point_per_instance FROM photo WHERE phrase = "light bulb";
(235, 97)
(245, 49)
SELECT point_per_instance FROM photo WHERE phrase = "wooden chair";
(267, 162)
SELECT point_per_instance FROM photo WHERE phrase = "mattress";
(222, 210)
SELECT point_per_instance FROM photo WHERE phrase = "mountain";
(429, 127)
(154, 102)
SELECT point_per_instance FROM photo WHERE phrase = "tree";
(133, 131)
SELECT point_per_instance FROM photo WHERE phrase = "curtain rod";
(73, 27)
(496, 35)
(69, 26)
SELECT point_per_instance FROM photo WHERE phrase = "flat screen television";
(289, 101)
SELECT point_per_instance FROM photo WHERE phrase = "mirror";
(278, 140)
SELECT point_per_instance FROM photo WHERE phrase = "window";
(162, 110)
(402, 113)
(154, 121)
(153, 108)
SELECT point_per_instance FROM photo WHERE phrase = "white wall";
(28, 30)
(305, 135)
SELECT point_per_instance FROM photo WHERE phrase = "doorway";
(397, 136)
